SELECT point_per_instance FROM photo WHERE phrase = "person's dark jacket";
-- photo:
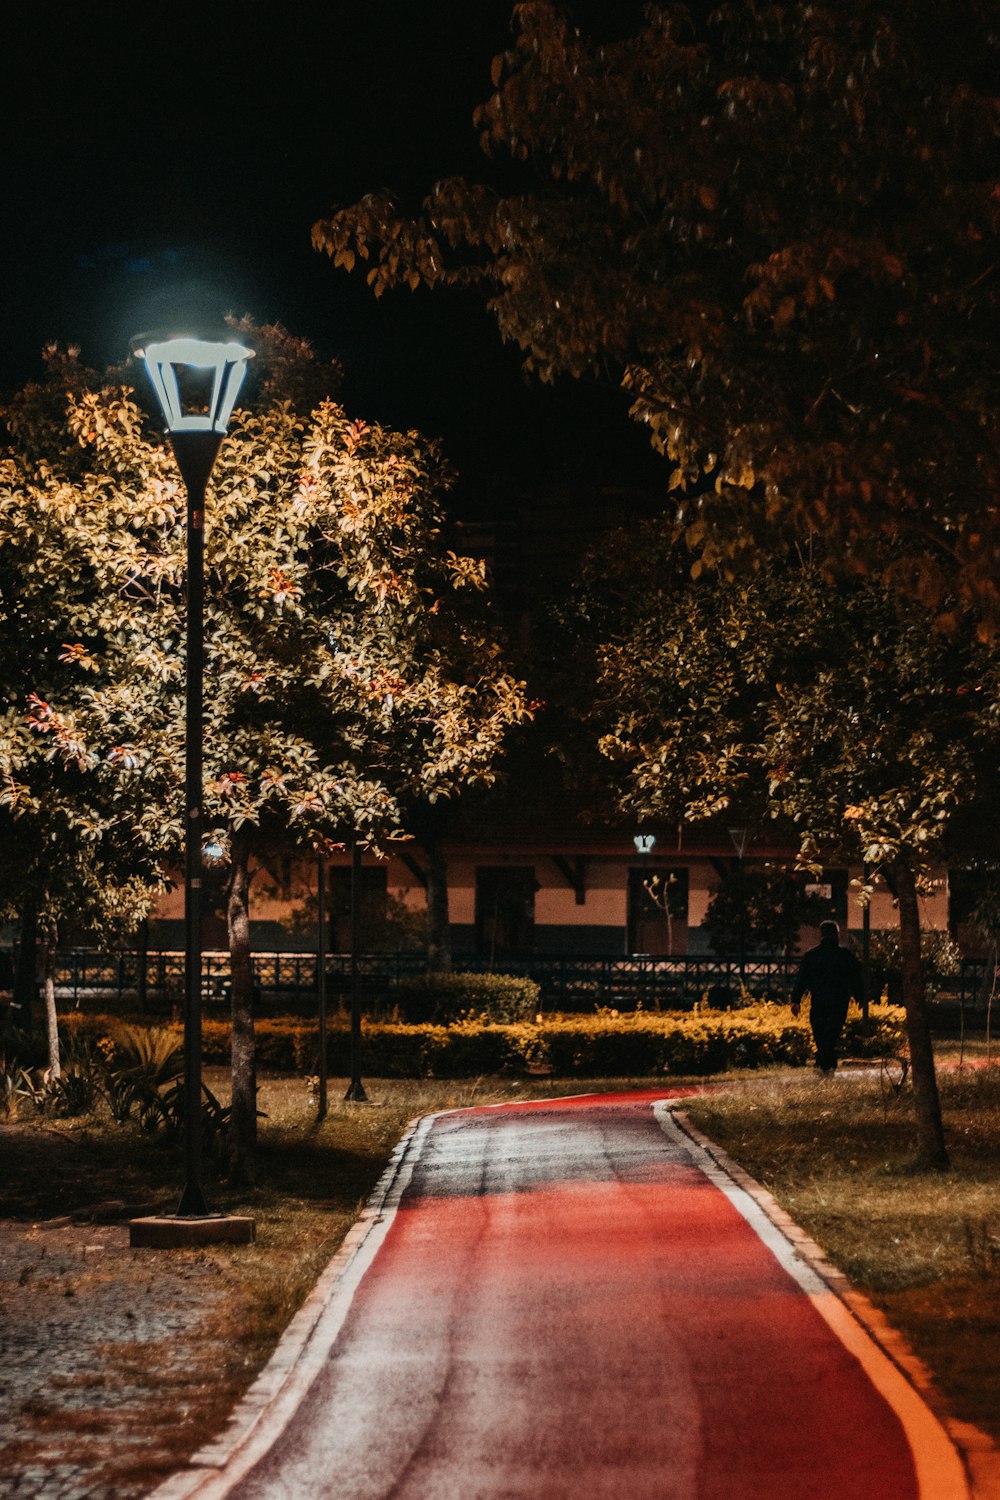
(830, 973)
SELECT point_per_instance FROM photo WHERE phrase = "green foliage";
(759, 911)
(985, 914)
(71, 1092)
(445, 998)
(141, 1067)
(163, 1108)
(352, 667)
(841, 716)
(940, 958)
(777, 225)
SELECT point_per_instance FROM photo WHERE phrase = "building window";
(505, 911)
(831, 889)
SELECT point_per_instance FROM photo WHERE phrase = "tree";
(346, 679)
(760, 911)
(666, 893)
(843, 717)
(776, 227)
(81, 846)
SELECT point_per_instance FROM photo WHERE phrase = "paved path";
(567, 1304)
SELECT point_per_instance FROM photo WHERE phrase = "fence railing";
(566, 981)
(975, 982)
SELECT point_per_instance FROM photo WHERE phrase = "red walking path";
(567, 1299)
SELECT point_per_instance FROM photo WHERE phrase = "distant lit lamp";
(196, 382)
(644, 843)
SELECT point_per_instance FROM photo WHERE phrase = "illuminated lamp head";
(196, 381)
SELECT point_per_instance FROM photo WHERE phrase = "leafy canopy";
(352, 666)
(776, 225)
(839, 717)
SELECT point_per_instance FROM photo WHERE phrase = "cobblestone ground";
(114, 1363)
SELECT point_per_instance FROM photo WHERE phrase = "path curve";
(569, 1298)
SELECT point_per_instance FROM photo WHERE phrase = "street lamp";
(355, 1088)
(739, 837)
(196, 382)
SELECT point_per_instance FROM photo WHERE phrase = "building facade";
(595, 897)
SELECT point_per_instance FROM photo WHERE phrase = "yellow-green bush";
(637, 1044)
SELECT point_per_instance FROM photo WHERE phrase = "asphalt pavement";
(569, 1298)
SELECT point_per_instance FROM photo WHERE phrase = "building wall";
(561, 924)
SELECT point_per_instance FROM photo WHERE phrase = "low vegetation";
(635, 1044)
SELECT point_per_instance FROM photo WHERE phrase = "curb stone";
(978, 1452)
(272, 1399)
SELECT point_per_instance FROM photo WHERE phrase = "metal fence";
(976, 980)
(566, 981)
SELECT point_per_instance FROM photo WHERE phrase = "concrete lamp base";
(171, 1232)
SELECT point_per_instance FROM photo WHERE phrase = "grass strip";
(839, 1157)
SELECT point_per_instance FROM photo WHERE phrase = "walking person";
(833, 977)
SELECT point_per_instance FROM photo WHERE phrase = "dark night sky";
(154, 169)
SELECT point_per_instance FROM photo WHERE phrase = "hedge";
(607, 1045)
(446, 998)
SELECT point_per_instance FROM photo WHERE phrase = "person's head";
(829, 932)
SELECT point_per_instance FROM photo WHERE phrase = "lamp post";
(355, 1088)
(196, 382)
(739, 841)
(323, 1106)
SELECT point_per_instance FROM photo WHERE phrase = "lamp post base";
(178, 1232)
(356, 1092)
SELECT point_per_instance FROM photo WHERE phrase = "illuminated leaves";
(349, 670)
(79, 656)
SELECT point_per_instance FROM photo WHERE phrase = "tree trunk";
(51, 1018)
(243, 1124)
(438, 919)
(927, 1104)
(26, 965)
(142, 965)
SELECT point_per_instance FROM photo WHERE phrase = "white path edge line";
(264, 1412)
(941, 1474)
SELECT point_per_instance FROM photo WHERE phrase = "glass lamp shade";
(196, 381)
(644, 843)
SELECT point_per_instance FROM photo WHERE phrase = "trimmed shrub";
(637, 1044)
(446, 998)
(390, 1050)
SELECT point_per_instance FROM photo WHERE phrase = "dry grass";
(839, 1156)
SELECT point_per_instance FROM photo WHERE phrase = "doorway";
(505, 911)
